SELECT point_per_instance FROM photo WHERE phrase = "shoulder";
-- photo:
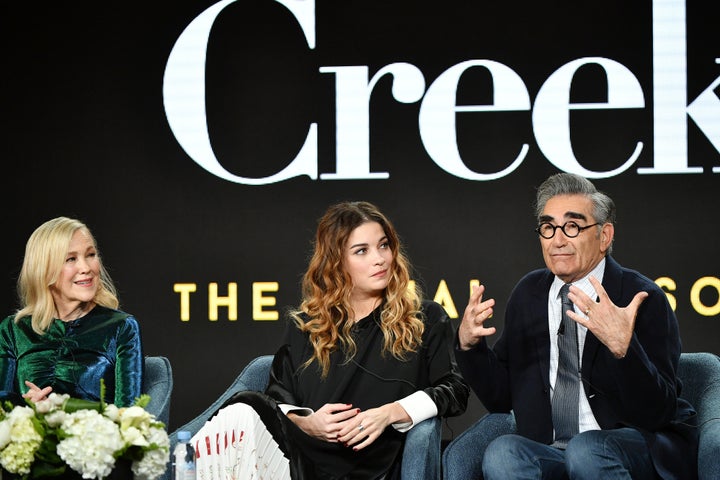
(433, 313)
(536, 281)
(535, 278)
(111, 314)
(628, 281)
(292, 332)
(9, 324)
(114, 318)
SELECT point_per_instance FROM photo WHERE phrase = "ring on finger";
(361, 427)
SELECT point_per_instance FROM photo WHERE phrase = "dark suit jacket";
(640, 391)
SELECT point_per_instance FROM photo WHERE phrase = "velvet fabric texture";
(72, 357)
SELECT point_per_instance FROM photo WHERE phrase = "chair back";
(158, 383)
(700, 374)
(255, 375)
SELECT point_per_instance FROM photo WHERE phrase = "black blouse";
(371, 379)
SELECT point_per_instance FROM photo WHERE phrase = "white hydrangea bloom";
(19, 451)
(112, 412)
(154, 463)
(93, 441)
(56, 418)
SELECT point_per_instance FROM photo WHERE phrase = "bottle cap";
(183, 436)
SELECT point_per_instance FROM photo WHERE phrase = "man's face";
(573, 258)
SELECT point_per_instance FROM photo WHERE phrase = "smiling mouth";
(380, 274)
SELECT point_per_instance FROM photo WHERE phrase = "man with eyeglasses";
(592, 384)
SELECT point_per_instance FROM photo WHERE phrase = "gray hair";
(572, 184)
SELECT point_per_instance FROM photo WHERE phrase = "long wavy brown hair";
(327, 288)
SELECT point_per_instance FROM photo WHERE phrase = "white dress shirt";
(587, 419)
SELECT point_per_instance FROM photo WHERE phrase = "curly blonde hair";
(327, 288)
(45, 254)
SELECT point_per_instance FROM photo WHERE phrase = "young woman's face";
(80, 275)
(368, 260)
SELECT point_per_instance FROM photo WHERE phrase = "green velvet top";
(72, 357)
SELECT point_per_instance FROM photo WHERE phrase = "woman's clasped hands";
(348, 425)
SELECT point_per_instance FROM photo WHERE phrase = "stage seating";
(421, 456)
(700, 374)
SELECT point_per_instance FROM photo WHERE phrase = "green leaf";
(142, 400)
(42, 469)
(75, 404)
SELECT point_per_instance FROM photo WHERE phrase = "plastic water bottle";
(183, 461)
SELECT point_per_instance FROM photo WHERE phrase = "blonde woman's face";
(368, 260)
(80, 275)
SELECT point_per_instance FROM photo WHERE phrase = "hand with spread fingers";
(472, 328)
(612, 325)
(327, 422)
(35, 393)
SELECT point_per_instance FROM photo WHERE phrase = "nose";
(379, 258)
(83, 265)
(559, 238)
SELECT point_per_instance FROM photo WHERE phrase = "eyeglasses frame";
(562, 227)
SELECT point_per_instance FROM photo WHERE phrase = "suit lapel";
(612, 279)
(539, 309)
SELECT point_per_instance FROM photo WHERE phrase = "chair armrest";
(706, 375)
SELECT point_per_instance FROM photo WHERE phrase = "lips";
(84, 283)
(381, 273)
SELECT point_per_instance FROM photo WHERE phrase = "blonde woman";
(364, 359)
(68, 333)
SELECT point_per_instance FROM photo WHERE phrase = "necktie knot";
(564, 290)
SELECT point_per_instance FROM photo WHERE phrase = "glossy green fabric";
(72, 357)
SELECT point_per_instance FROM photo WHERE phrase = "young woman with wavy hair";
(363, 360)
(329, 296)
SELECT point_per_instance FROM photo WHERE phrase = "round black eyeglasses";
(570, 229)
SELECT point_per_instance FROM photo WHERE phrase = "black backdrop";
(86, 132)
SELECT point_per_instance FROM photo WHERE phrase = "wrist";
(397, 413)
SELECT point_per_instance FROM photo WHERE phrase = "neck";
(363, 308)
(73, 314)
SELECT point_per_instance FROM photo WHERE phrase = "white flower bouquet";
(47, 438)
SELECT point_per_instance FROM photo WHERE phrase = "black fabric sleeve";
(447, 388)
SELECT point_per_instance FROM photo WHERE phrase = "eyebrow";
(571, 215)
(383, 239)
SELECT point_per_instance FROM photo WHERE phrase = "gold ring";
(587, 311)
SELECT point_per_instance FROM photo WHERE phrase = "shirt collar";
(583, 284)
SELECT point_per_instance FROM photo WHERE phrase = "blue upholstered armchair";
(421, 456)
(700, 374)
(158, 383)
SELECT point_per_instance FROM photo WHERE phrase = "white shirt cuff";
(302, 411)
(419, 406)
